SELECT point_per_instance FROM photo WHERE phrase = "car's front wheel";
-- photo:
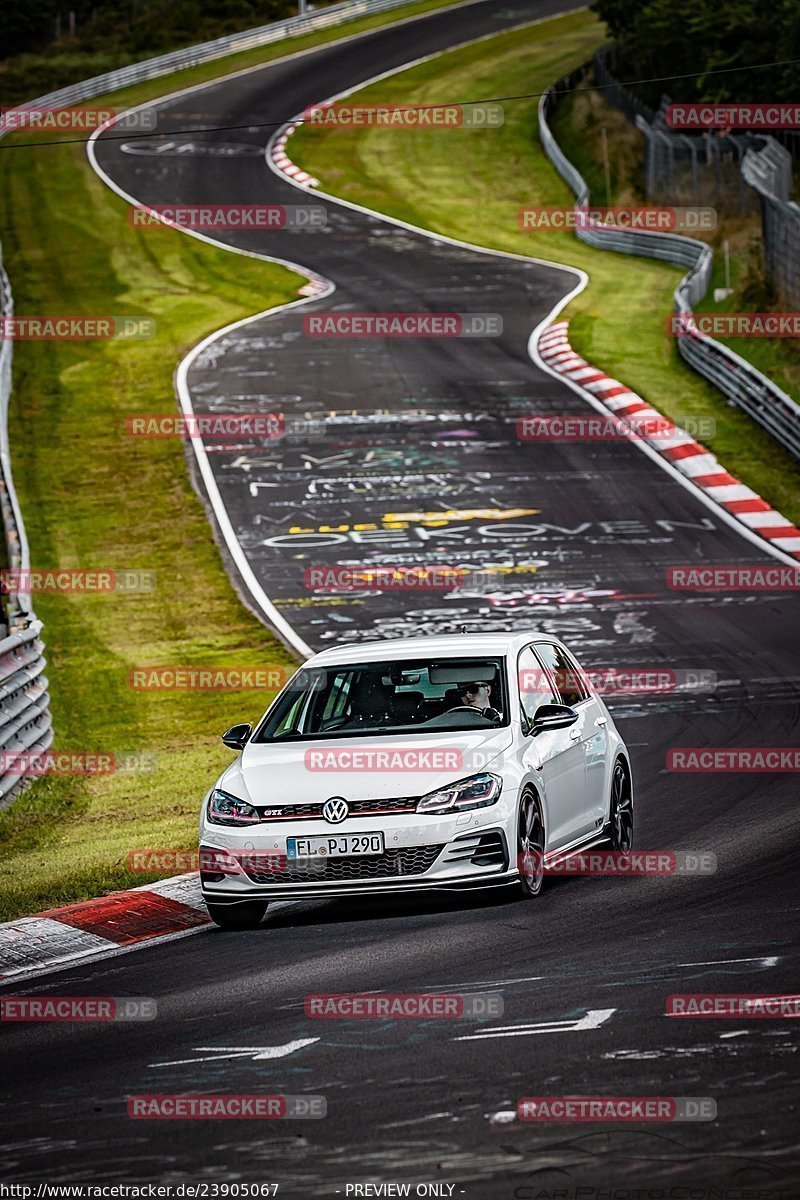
(530, 847)
(246, 915)
(620, 825)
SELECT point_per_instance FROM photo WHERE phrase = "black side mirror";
(553, 716)
(236, 737)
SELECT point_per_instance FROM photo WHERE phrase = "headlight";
(478, 791)
(224, 809)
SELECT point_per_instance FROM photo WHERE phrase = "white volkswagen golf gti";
(429, 763)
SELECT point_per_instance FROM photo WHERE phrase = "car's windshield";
(423, 695)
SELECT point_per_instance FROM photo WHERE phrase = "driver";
(476, 696)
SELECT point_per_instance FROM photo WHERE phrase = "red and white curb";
(282, 161)
(689, 457)
(314, 287)
(63, 937)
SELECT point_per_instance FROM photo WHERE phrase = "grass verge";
(472, 185)
(94, 498)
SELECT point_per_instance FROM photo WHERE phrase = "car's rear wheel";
(620, 825)
(530, 847)
(246, 915)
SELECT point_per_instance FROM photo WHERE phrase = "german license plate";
(345, 844)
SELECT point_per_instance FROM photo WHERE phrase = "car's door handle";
(575, 734)
(601, 721)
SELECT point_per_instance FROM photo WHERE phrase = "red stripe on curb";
(127, 917)
(590, 378)
(687, 450)
(748, 506)
(617, 390)
(718, 479)
(778, 531)
(629, 409)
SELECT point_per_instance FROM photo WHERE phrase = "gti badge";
(335, 810)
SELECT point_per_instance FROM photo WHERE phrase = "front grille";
(358, 808)
(411, 860)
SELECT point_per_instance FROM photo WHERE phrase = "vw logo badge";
(335, 810)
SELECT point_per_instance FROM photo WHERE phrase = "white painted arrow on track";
(594, 1018)
(214, 1053)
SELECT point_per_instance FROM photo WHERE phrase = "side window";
(566, 673)
(337, 697)
(534, 685)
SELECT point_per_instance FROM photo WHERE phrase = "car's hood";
(377, 767)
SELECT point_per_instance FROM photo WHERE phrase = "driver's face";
(476, 694)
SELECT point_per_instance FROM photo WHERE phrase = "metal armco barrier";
(194, 56)
(25, 723)
(736, 378)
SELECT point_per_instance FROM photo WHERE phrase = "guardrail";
(736, 378)
(194, 56)
(25, 723)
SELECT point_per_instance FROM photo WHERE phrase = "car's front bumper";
(437, 855)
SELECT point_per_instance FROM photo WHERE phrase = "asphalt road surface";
(419, 438)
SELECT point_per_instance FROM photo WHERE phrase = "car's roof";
(453, 645)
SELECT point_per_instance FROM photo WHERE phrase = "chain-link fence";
(736, 378)
(736, 173)
(780, 222)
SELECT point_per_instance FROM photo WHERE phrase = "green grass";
(93, 497)
(472, 185)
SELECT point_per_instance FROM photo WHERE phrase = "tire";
(530, 847)
(246, 915)
(620, 816)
